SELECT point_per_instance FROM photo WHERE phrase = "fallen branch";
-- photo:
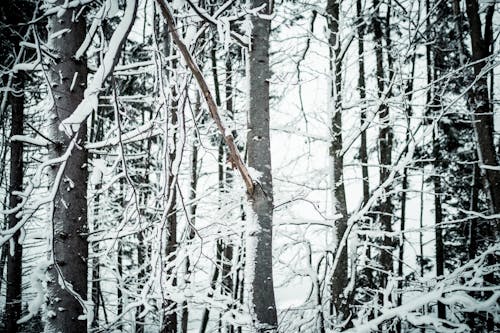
(235, 157)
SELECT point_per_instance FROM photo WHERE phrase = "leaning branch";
(235, 156)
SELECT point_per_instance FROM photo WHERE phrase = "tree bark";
(385, 151)
(363, 150)
(14, 259)
(259, 256)
(483, 124)
(192, 210)
(68, 273)
(340, 275)
(438, 219)
(170, 316)
(481, 104)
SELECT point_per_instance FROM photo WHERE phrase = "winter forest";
(235, 166)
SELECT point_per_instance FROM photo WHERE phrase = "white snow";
(90, 101)
(37, 141)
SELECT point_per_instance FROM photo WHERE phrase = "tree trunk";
(363, 150)
(170, 307)
(192, 209)
(481, 104)
(340, 275)
(404, 185)
(483, 123)
(438, 219)
(67, 288)
(259, 256)
(170, 317)
(15, 256)
(385, 151)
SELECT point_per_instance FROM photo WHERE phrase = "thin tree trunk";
(139, 322)
(363, 149)
(472, 232)
(421, 237)
(227, 278)
(404, 185)
(193, 207)
(213, 281)
(96, 134)
(438, 219)
(340, 275)
(69, 215)
(170, 317)
(96, 286)
(259, 256)
(119, 293)
(169, 324)
(385, 150)
(15, 256)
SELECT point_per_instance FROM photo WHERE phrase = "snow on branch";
(37, 141)
(235, 156)
(90, 101)
(452, 290)
(141, 133)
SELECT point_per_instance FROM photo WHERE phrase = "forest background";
(259, 166)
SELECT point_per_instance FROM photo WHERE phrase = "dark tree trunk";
(227, 278)
(340, 275)
(385, 151)
(481, 104)
(438, 219)
(363, 150)
(69, 216)
(15, 258)
(213, 281)
(259, 254)
(170, 317)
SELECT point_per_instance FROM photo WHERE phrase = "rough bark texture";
(69, 219)
(340, 274)
(259, 239)
(14, 260)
